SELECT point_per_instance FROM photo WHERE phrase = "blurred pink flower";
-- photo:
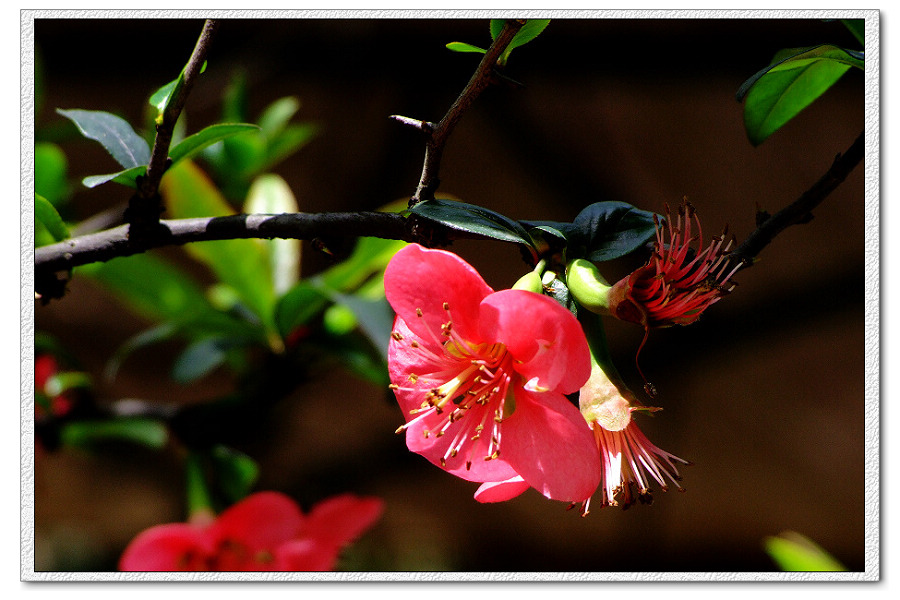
(678, 283)
(481, 377)
(58, 404)
(266, 531)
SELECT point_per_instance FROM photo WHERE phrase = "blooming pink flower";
(481, 377)
(629, 458)
(678, 283)
(266, 531)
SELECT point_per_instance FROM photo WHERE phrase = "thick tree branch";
(799, 210)
(438, 133)
(116, 242)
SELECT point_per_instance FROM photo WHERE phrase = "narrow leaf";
(137, 430)
(277, 115)
(858, 28)
(114, 133)
(127, 177)
(464, 47)
(236, 473)
(45, 212)
(530, 30)
(200, 359)
(206, 137)
(795, 552)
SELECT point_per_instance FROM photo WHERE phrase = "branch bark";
(799, 211)
(438, 133)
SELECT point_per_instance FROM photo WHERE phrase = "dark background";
(765, 394)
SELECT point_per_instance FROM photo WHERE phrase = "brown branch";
(145, 206)
(439, 132)
(799, 211)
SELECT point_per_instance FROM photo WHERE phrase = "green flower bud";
(588, 286)
(530, 282)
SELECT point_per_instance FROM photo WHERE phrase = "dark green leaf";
(236, 473)
(858, 28)
(206, 137)
(298, 306)
(147, 432)
(154, 335)
(114, 133)
(558, 290)
(287, 142)
(474, 219)
(375, 318)
(795, 552)
(603, 231)
(46, 214)
(50, 173)
(463, 47)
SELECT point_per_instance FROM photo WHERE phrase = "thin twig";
(481, 79)
(799, 211)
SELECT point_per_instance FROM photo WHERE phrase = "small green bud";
(530, 282)
(588, 286)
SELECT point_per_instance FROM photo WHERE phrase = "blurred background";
(765, 394)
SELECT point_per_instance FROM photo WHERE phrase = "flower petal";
(546, 339)
(170, 547)
(341, 519)
(548, 442)
(260, 521)
(500, 491)
(419, 278)
(306, 555)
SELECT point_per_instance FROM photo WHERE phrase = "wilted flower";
(679, 282)
(266, 531)
(629, 459)
(481, 377)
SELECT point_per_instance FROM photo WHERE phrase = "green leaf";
(46, 214)
(298, 306)
(792, 82)
(60, 383)
(271, 195)
(160, 98)
(530, 30)
(206, 137)
(138, 430)
(240, 263)
(114, 133)
(277, 115)
(127, 177)
(287, 142)
(200, 359)
(858, 28)
(50, 167)
(236, 473)
(463, 47)
(794, 552)
(153, 335)
(474, 219)
(161, 292)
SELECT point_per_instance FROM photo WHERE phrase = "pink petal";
(548, 442)
(341, 519)
(418, 278)
(545, 338)
(168, 547)
(305, 555)
(260, 521)
(500, 491)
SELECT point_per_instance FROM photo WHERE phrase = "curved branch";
(799, 211)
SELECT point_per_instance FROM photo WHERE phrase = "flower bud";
(588, 286)
(530, 282)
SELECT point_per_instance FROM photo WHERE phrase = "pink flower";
(678, 283)
(266, 531)
(629, 459)
(481, 377)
